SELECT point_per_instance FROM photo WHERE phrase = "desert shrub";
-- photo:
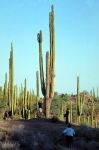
(88, 133)
(92, 145)
(84, 145)
(54, 119)
(23, 138)
(15, 133)
(2, 136)
(9, 146)
(44, 142)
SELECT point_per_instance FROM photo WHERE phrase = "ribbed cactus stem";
(93, 95)
(47, 86)
(47, 74)
(37, 83)
(28, 100)
(61, 111)
(9, 96)
(81, 105)
(6, 88)
(92, 112)
(29, 114)
(14, 98)
(52, 51)
(39, 36)
(48, 89)
(30, 104)
(71, 111)
(9, 83)
(84, 118)
(25, 95)
(23, 104)
(1, 92)
(78, 97)
(50, 31)
(11, 79)
(37, 89)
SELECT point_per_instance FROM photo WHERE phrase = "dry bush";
(45, 136)
(9, 146)
(87, 138)
(88, 133)
(2, 136)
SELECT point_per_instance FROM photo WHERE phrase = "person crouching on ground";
(69, 134)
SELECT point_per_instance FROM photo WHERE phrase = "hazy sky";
(77, 41)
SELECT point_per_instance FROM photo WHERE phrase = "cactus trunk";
(48, 89)
(78, 98)
(11, 79)
(37, 89)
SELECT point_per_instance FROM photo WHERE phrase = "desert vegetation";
(45, 134)
(20, 109)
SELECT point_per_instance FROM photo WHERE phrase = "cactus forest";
(20, 103)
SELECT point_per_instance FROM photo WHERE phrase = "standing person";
(67, 115)
(69, 134)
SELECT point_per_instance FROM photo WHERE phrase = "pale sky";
(77, 41)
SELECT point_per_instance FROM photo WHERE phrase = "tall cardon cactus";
(11, 79)
(48, 89)
(78, 96)
(78, 101)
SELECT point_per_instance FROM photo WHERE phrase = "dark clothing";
(66, 115)
(69, 140)
(40, 104)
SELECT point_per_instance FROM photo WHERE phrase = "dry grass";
(44, 135)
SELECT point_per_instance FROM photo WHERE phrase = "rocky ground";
(42, 134)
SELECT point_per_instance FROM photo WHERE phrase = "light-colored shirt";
(69, 132)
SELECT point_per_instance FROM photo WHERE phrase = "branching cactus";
(48, 89)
